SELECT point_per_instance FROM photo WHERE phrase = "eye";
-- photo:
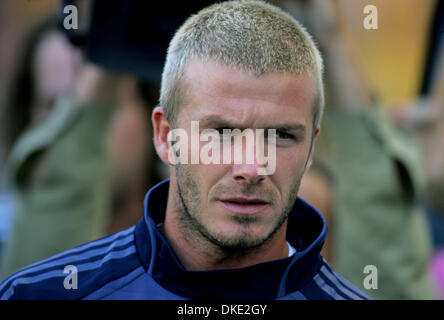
(282, 135)
(222, 133)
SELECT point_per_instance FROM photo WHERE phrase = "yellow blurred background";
(392, 58)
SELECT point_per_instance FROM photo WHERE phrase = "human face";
(56, 63)
(230, 205)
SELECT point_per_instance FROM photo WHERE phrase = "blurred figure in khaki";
(46, 68)
(72, 150)
(366, 175)
(424, 118)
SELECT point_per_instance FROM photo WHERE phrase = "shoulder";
(75, 273)
(327, 284)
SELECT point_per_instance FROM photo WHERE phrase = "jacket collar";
(306, 232)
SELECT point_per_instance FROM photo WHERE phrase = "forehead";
(214, 88)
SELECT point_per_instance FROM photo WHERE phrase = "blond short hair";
(248, 35)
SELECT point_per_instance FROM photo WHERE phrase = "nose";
(247, 170)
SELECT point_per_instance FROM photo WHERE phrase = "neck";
(197, 253)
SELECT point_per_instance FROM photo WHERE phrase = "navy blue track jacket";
(138, 263)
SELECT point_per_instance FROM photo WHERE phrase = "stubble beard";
(195, 232)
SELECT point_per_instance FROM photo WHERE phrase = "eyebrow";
(216, 121)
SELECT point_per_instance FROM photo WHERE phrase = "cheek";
(208, 176)
(204, 167)
(289, 167)
(290, 162)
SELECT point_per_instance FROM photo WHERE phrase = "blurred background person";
(58, 166)
(62, 177)
(424, 118)
(366, 173)
(46, 68)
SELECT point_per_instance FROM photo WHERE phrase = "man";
(234, 230)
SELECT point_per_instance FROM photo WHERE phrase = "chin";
(239, 238)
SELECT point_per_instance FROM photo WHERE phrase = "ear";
(310, 155)
(161, 128)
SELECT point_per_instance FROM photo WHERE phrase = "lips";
(248, 206)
